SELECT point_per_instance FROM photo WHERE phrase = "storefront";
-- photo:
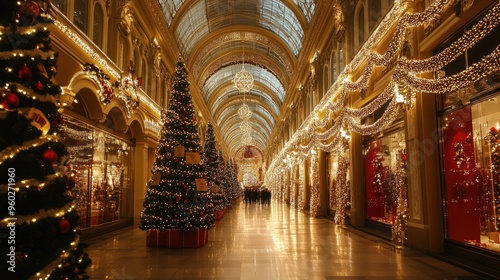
(469, 125)
(384, 159)
(471, 172)
(101, 162)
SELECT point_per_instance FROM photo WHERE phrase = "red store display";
(461, 191)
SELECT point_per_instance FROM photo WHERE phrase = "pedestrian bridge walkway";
(255, 241)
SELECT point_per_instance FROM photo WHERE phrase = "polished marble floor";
(265, 242)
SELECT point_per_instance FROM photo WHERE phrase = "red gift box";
(170, 238)
(194, 238)
(218, 215)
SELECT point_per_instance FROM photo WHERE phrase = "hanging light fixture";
(243, 81)
(244, 111)
(245, 126)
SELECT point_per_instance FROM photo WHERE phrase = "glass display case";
(381, 162)
(470, 153)
(101, 165)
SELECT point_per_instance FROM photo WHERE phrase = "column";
(141, 178)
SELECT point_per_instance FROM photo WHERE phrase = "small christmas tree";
(176, 196)
(38, 223)
(224, 183)
(233, 186)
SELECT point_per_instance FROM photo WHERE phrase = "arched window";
(98, 30)
(125, 53)
(375, 13)
(333, 64)
(361, 25)
(326, 82)
(386, 5)
(61, 5)
(80, 14)
(144, 74)
(163, 93)
(341, 57)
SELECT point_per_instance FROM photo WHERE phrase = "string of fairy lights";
(341, 187)
(57, 263)
(400, 224)
(314, 184)
(405, 81)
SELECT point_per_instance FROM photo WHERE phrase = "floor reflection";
(255, 241)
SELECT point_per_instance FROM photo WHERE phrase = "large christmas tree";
(38, 224)
(177, 196)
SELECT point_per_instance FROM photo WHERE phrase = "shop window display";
(381, 164)
(100, 164)
(471, 174)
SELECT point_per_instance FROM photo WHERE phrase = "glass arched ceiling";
(226, 75)
(234, 135)
(229, 124)
(259, 48)
(209, 34)
(205, 16)
(226, 96)
(307, 7)
(170, 8)
(260, 115)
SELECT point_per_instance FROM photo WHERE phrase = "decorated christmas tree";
(233, 186)
(211, 158)
(38, 224)
(212, 163)
(177, 197)
(224, 183)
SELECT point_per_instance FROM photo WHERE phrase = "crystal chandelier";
(244, 112)
(246, 139)
(245, 127)
(243, 81)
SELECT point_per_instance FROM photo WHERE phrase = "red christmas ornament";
(38, 86)
(186, 201)
(178, 198)
(64, 226)
(24, 72)
(34, 6)
(49, 157)
(10, 100)
(28, 10)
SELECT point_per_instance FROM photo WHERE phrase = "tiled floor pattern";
(265, 242)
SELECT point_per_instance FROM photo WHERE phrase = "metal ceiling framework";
(215, 36)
